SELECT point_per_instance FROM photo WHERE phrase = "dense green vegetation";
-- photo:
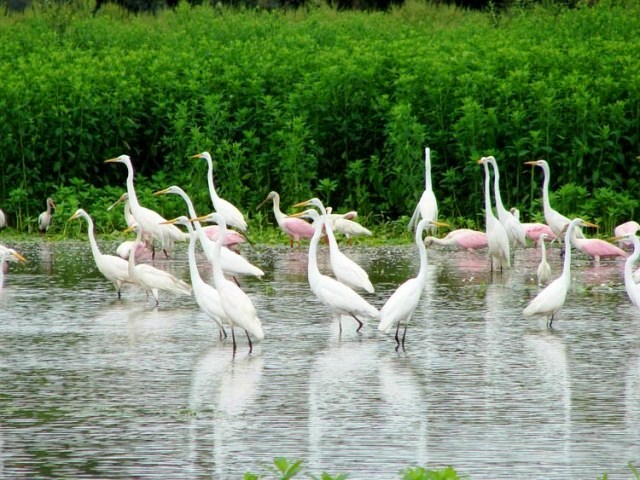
(319, 102)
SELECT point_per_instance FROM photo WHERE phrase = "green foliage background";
(319, 102)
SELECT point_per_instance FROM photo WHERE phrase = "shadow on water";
(93, 386)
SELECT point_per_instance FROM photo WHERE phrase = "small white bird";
(44, 219)
(152, 279)
(552, 297)
(544, 269)
(230, 212)
(343, 223)
(236, 303)
(400, 306)
(3, 219)
(341, 299)
(113, 268)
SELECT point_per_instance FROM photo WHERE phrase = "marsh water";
(96, 387)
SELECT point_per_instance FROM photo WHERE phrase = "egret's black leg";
(250, 344)
(360, 324)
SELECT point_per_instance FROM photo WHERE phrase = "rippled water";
(92, 386)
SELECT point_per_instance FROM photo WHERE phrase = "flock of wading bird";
(229, 306)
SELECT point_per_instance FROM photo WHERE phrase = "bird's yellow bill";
(73, 217)
(111, 160)
(197, 155)
(19, 257)
(618, 238)
(117, 202)
(202, 218)
(532, 162)
(589, 224)
(161, 192)
(129, 229)
(439, 224)
(169, 222)
(302, 204)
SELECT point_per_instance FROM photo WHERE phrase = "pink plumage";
(626, 229)
(596, 248)
(533, 231)
(297, 229)
(232, 239)
(463, 238)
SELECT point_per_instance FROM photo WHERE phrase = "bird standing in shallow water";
(551, 299)
(400, 306)
(44, 219)
(497, 238)
(296, 228)
(544, 269)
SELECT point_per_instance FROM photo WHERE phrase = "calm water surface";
(92, 386)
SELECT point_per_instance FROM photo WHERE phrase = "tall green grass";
(318, 102)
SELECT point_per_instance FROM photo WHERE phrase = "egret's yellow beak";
(202, 218)
(440, 224)
(168, 222)
(302, 204)
(129, 229)
(532, 162)
(112, 160)
(197, 155)
(73, 217)
(161, 192)
(589, 224)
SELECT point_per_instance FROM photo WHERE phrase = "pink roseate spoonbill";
(625, 229)
(140, 250)
(149, 221)
(113, 268)
(231, 263)
(428, 205)
(533, 230)
(596, 248)
(544, 269)
(296, 228)
(207, 297)
(344, 224)
(45, 218)
(338, 297)
(152, 279)
(8, 254)
(462, 238)
(511, 224)
(230, 212)
(400, 306)
(552, 297)
(236, 303)
(497, 238)
(556, 221)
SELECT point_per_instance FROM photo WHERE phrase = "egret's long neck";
(128, 216)
(427, 169)
(204, 240)
(276, 210)
(546, 204)
(131, 191)
(3, 261)
(631, 260)
(422, 274)
(333, 244)
(313, 271)
(496, 188)
(212, 187)
(132, 253)
(543, 250)
(191, 253)
(487, 193)
(218, 276)
(92, 239)
(566, 268)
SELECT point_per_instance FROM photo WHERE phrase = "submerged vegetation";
(319, 102)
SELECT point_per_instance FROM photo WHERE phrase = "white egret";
(3, 219)
(510, 222)
(346, 270)
(113, 268)
(8, 254)
(152, 279)
(149, 221)
(552, 297)
(296, 228)
(230, 212)
(340, 298)
(428, 205)
(207, 297)
(630, 284)
(231, 262)
(236, 303)
(44, 219)
(400, 306)
(544, 269)
(556, 221)
(497, 238)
